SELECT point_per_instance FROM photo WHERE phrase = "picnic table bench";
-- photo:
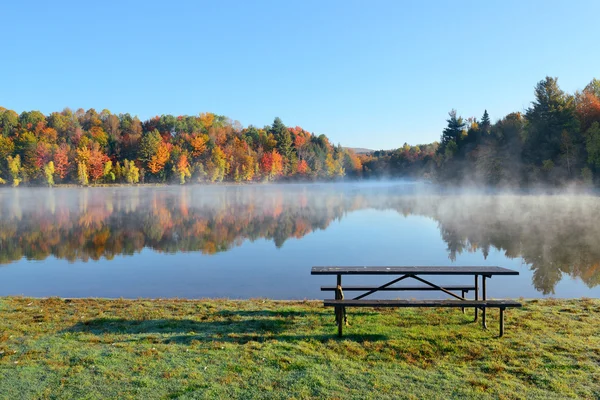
(415, 272)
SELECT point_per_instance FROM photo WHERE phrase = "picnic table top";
(417, 270)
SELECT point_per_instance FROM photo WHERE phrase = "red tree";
(61, 161)
(43, 154)
(266, 163)
(96, 163)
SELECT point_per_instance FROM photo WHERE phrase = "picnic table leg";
(340, 312)
(501, 321)
(484, 298)
(476, 295)
(338, 296)
(463, 296)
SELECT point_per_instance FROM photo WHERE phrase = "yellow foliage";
(207, 119)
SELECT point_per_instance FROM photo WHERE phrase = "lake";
(261, 240)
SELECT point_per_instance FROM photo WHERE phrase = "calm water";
(261, 241)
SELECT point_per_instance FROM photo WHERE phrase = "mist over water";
(261, 240)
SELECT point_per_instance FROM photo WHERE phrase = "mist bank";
(556, 141)
(555, 235)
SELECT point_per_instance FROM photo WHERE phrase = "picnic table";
(417, 272)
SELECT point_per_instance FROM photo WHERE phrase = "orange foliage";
(271, 164)
(198, 143)
(48, 135)
(277, 167)
(99, 135)
(61, 161)
(162, 156)
(96, 163)
(588, 109)
(183, 163)
(356, 162)
(303, 167)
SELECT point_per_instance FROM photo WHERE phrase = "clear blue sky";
(370, 74)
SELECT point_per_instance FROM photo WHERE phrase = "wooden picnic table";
(415, 272)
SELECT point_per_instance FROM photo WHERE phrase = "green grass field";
(147, 349)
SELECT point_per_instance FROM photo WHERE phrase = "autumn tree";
(271, 165)
(82, 174)
(49, 172)
(159, 160)
(218, 166)
(96, 163)
(588, 107)
(15, 169)
(303, 167)
(199, 144)
(131, 172)
(183, 168)
(61, 161)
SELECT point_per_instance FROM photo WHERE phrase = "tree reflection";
(555, 235)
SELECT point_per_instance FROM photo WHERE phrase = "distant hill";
(359, 150)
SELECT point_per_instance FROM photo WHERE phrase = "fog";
(555, 233)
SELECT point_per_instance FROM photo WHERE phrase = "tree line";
(554, 141)
(87, 147)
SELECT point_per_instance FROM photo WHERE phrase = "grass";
(162, 349)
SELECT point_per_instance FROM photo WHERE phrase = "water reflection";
(554, 234)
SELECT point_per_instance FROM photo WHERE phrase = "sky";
(372, 74)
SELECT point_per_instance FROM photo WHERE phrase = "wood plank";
(391, 288)
(422, 303)
(417, 270)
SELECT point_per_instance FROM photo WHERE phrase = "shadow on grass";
(429, 320)
(182, 331)
(285, 314)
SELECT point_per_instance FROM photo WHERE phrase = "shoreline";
(255, 299)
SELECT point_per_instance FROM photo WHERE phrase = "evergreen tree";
(453, 132)
(485, 123)
(593, 87)
(551, 114)
(149, 145)
(284, 142)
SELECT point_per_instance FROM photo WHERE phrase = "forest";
(555, 141)
(87, 147)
